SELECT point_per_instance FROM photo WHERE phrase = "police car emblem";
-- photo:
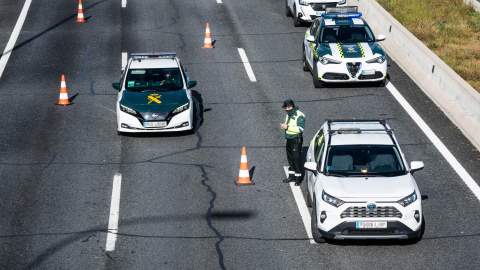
(154, 115)
(351, 49)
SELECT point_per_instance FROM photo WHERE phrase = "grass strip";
(449, 28)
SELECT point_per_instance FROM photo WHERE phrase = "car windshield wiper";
(336, 174)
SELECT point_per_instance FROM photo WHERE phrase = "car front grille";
(379, 212)
(353, 68)
(322, 6)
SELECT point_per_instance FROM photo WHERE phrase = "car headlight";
(128, 110)
(380, 59)
(303, 2)
(331, 200)
(326, 61)
(182, 108)
(342, 2)
(408, 200)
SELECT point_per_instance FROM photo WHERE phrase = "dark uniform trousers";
(294, 155)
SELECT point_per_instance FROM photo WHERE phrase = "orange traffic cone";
(80, 17)
(63, 100)
(208, 38)
(244, 174)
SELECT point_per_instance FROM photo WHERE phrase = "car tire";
(382, 83)
(316, 82)
(119, 133)
(419, 237)
(317, 236)
(288, 13)
(296, 23)
(304, 60)
(308, 201)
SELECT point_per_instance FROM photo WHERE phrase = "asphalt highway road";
(179, 206)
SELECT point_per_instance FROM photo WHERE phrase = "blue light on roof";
(347, 15)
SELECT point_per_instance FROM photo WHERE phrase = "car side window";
(319, 145)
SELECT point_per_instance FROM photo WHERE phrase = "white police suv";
(359, 184)
(340, 47)
(154, 95)
(304, 11)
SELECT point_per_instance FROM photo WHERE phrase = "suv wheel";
(419, 236)
(317, 237)
(296, 23)
(304, 60)
(316, 82)
(288, 13)
(308, 201)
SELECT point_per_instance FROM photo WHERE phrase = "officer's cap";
(288, 103)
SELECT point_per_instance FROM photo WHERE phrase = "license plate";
(371, 224)
(155, 124)
(368, 72)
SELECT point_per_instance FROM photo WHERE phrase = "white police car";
(359, 184)
(304, 11)
(340, 47)
(154, 95)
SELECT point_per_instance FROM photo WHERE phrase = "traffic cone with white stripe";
(208, 38)
(244, 174)
(63, 99)
(80, 17)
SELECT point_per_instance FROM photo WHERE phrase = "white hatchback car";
(359, 184)
(304, 11)
(154, 95)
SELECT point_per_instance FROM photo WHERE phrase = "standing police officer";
(293, 126)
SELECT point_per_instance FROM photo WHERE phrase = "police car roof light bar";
(341, 10)
(154, 55)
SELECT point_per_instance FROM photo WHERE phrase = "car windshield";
(155, 79)
(362, 160)
(346, 34)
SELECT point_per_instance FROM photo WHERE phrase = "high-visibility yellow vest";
(291, 121)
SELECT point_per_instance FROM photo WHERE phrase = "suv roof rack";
(170, 55)
(357, 130)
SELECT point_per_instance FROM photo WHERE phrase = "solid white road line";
(302, 207)
(124, 59)
(124, 3)
(243, 55)
(436, 141)
(114, 213)
(13, 38)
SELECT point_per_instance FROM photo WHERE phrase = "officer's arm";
(301, 124)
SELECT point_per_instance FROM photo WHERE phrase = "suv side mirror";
(311, 166)
(311, 39)
(116, 85)
(191, 84)
(381, 38)
(416, 166)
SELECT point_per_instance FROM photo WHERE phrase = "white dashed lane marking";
(248, 68)
(114, 213)
(13, 38)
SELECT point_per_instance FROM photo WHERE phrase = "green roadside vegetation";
(449, 28)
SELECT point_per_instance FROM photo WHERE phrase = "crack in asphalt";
(208, 215)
